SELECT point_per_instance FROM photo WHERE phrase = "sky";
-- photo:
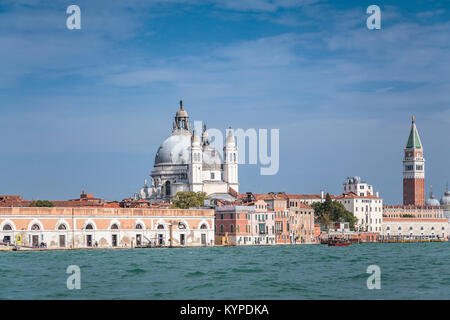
(87, 109)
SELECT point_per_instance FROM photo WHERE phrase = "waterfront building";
(246, 224)
(414, 221)
(294, 219)
(367, 209)
(188, 162)
(301, 223)
(106, 227)
(413, 169)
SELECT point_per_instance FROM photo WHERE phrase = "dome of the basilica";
(174, 150)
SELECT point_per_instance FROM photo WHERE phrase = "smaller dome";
(445, 200)
(432, 202)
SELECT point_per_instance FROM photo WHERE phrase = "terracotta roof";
(352, 195)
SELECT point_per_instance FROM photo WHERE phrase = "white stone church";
(187, 162)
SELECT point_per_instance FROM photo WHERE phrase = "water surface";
(408, 271)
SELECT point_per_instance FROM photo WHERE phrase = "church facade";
(188, 162)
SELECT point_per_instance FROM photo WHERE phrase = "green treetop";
(332, 211)
(189, 199)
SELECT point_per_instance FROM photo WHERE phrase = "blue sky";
(87, 109)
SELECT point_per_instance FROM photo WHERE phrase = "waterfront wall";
(107, 227)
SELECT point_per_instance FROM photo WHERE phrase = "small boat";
(339, 243)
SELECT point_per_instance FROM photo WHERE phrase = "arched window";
(35, 227)
(421, 228)
(204, 226)
(114, 226)
(62, 226)
(231, 228)
(138, 226)
(221, 228)
(167, 188)
(89, 227)
(7, 227)
(160, 226)
(399, 228)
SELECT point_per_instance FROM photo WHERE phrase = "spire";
(413, 139)
(181, 104)
(431, 192)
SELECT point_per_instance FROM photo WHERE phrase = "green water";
(408, 271)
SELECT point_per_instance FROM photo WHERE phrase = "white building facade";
(368, 211)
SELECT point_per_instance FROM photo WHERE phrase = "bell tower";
(195, 168)
(230, 165)
(414, 169)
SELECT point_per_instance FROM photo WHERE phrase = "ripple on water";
(247, 270)
(136, 271)
(194, 274)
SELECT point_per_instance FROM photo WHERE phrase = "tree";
(189, 199)
(42, 203)
(332, 211)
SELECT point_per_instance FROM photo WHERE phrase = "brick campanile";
(414, 170)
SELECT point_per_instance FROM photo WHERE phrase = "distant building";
(13, 201)
(445, 203)
(85, 200)
(358, 187)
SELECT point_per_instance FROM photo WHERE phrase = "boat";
(338, 243)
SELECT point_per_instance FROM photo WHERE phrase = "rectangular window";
(212, 176)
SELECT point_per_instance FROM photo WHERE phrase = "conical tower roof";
(414, 138)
